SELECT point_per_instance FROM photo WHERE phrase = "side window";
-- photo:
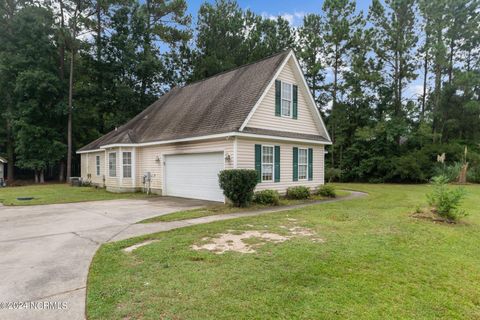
(127, 164)
(286, 99)
(97, 165)
(302, 164)
(267, 163)
(112, 164)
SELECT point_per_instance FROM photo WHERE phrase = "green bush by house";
(298, 193)
(267, 197)
(238, 185)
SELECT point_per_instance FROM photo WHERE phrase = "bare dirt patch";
(248, 241)
(431, 215)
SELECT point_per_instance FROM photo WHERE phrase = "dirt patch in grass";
(431, 215)
(249, 241)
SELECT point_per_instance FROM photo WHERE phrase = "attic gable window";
(287, 99)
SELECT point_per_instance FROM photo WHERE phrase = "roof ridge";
(233, 69)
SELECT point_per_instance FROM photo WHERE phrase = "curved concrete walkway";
(46, 250)
(148, 228)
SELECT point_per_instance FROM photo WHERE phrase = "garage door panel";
(194, 176)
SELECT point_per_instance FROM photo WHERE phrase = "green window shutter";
(295, 164)
(258, 161)
(278, 97)
(277, 163)
(295, 102)
(310, 164)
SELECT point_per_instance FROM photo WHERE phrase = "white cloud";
(294, 18)
(414, 91)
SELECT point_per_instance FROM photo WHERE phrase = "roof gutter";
(207, 137)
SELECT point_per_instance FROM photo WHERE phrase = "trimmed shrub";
(327, 191)
(446, 200)
(267, 197)
(298, 193)
(238, 185)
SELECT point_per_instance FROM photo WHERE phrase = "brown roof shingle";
(218, 104)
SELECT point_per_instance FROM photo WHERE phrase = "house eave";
(206, 137)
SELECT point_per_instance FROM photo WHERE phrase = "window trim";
(115, 167)
(272, 164)
(127, 165)
(302, 164)
(97, 166)
(290, 99)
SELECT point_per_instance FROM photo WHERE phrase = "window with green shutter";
(295, 164)
(277, 164)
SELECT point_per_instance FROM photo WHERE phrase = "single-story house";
(258, 116)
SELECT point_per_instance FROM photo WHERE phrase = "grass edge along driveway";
(59, 193)
(375, 262)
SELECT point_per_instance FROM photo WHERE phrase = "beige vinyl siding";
(88, 167)
(146, 157)
(264, 117)
(246, 160)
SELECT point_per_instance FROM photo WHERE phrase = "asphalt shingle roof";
(218, 104)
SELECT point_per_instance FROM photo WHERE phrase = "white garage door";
(194, 176)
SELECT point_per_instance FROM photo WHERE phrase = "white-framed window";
(267, 163)
(287, 97)
(127, 164)
(97, 165)
(302, 164)
(112, 164)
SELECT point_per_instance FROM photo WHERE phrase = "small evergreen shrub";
(298, 193)
(238, 185)
(473, 175)
(333, 174)
(327, 191)
(267, 197)
(445, 200)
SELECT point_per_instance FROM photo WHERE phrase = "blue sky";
(293, 11)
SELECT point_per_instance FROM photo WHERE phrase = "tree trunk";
(450, 63)
(425, 80)
(36, 176)
(10, 154)
(42, 176)
(61, 171)
(70, 111)
(438, 84)
(334, 103)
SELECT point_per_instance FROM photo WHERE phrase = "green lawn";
(376, 262)
(58, 193)
(226, 208)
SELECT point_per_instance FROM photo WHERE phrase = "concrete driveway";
(45, 251)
